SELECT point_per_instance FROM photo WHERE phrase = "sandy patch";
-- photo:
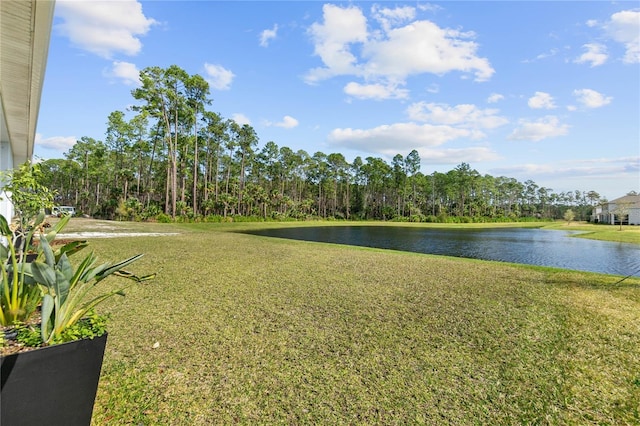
(93, 234)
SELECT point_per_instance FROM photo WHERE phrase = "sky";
(547, 91)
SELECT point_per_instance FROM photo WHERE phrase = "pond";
(517, 245)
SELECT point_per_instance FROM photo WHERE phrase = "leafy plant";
(66, 297)
(28, 335)
(29, 196)
(19, 296)
(53, 283)
(89, 327)
(19, 292)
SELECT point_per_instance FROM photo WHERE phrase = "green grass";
(626, 234)
(255, 330)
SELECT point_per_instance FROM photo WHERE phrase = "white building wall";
(634, 217)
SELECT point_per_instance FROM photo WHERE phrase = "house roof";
(632, 200)
(25, 31)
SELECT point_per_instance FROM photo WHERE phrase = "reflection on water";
(529, 246)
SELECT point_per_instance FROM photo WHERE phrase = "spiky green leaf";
(4, 227)
(117, 267)
(63, 286)
(45, 248)
(70, 248)
(48, 304)
(44, 274)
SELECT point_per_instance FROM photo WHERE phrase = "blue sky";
(541, 90)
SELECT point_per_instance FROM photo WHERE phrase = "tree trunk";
(195, 168)
(167, 188)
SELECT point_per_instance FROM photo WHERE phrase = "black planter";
(54, 385)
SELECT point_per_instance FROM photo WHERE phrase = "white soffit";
(25, 31)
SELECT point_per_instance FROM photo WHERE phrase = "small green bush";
(163, 218)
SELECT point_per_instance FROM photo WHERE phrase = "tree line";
(177, 160)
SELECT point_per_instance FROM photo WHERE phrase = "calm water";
(529, 246)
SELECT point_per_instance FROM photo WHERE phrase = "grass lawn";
(255, 330)
(624, 234)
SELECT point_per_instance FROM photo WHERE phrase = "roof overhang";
(25, 31)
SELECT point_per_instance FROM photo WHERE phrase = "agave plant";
(20, 294)
(66, 289)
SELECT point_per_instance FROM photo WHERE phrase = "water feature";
(518, 245)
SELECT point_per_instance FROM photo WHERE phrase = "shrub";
(163, 218)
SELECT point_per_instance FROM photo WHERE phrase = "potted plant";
(51, 363)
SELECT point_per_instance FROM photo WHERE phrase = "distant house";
(610, 212)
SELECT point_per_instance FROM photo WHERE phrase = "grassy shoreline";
(628, 234)
(255, 330)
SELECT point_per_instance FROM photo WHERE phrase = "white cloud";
(546, 127)
(125, 71)
(389, 18)
(595, 55)
(541, 100)
(56, 143)
(268, 35)
(391, 139)
(240, 118)
(624, 27)
(474, 155)
(494, 97)
(433, 88)
(341, 27)
(104, 27)
(596, 170)
(391, 54)
(591, 99)
(464, 115)
(218, 77)
(542, 56)
(429, 7)
(287, 122)
(549, 54)
(423, 47)
(375, 91)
